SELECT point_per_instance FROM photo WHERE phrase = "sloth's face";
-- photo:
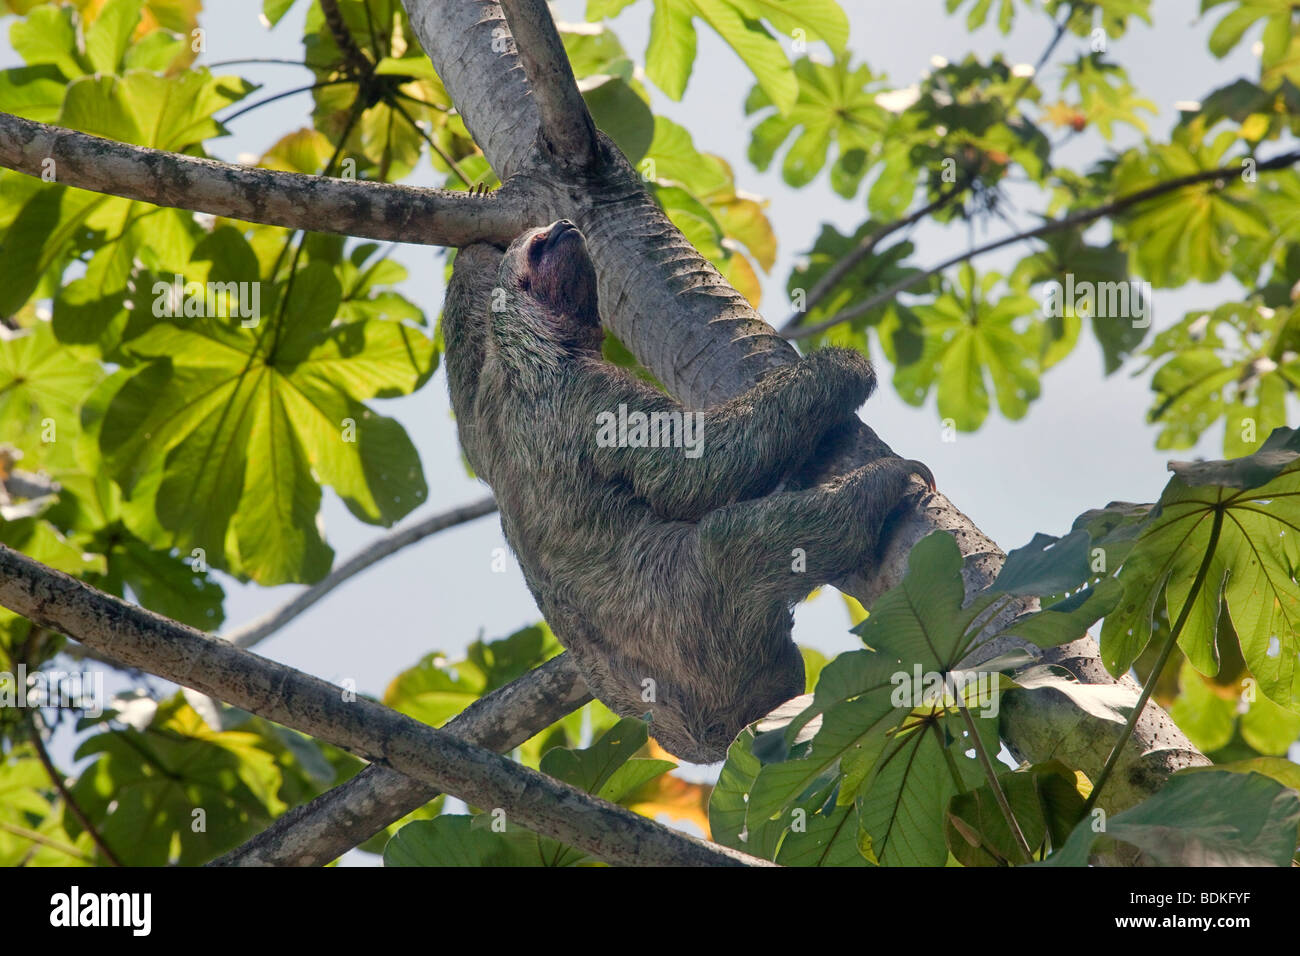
(551, 266)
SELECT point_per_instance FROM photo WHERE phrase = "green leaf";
(109, 35)
(435, 690)
(274, 10)
(878, 270)
(834, 106)
(1047, 565)
(607, 768)
(48, 35)
(142, 788)
(622, 115)
(1252, 568)
(1205, 717)
(1212, 818)
(1192, 233)
(670, 54)
(1229, 31)
(901, 809)
(248, 426)
(829, 837)
(42, 387)
(1222, 364)
(1106, 97)
(472, 841)
(1044, 800)
(32, 92)
(970, 342)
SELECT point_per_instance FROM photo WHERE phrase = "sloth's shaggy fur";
(669, 578)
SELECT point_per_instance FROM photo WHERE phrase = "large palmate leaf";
(836, 106)
(866, 770)
(1197, 232)
(1225, 534)
(227, 432)
(972, 341)
(145, 808)
(1106, 96)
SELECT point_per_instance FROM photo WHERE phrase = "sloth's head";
(550, 267)
(690, 717)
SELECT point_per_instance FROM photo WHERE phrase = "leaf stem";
(990, 772)
(1159, 665)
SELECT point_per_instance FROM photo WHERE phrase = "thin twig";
(258, 630)
(287, 93)
(1056, 225)
(41, 839)
(56, 778)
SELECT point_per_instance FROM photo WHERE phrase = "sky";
(1083, 443)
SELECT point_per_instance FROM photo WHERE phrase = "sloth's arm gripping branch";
(732, 452)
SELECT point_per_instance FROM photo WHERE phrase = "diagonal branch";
(293, 200)
(565, 121)
(308, 704)
(1080, 218)
(354, 811)
(256, 631)
(836, 273)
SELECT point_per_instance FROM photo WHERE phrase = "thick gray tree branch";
(294, 200)
(436, 758)
(565, 122)
(340, 819)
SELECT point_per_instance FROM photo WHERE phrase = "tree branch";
(289, 697)
(836, 273)
(353, 812)
(1056, 225)
(564, 119)
(69, 801)
(256, 631)
(293, 200)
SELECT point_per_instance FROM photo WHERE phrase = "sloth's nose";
(559, 229)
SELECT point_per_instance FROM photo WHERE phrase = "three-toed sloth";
(669, 572)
